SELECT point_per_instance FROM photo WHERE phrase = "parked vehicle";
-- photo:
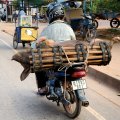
(81, 21)
(85, 27)
(88, 28)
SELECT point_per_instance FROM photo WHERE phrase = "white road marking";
(96, 114)
(91, 110)
(8, 45)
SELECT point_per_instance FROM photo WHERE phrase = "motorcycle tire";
(15, 43)
(3, 17)
(90, 35)
(114, 23)
(74, 100)
(95, 24)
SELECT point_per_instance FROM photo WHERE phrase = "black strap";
(105, 48)
(57, 59)
(80, 49)
(40, 56)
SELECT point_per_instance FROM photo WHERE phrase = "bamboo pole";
(68, 53)
(48, 57)
(65, 48)
(50, 60)
(96, 62)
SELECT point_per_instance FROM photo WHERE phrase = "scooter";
(88, 27)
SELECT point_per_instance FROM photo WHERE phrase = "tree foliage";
(110, 5)
(97, 6)
(34, 3)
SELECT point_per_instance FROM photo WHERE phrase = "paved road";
(18, 100)
(103, 24)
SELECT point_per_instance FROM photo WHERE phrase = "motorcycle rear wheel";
(15, 43)
(74, 100)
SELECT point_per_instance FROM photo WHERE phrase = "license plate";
(79, 84)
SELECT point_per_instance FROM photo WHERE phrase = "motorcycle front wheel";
(74, 108)
(90, 35)
(95, 23)
(15, 43)
(114, 23)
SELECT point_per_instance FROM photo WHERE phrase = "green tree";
(36, 3)
(111, 5)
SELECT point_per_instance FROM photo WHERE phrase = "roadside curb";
(104, 78)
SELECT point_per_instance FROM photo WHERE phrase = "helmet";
(55, 11)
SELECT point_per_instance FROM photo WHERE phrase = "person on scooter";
(58, 31)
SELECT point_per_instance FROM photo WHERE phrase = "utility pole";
(6, 2)
(28, 7)
(91, 6)
(84, 6)
(21, 4)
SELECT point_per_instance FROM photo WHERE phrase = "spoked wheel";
(90, 35)
(15, 43)
(74, 108)
(114, 23)
(95, 24)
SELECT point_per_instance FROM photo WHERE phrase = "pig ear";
(25, 73)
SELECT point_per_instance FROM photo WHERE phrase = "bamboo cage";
(45, 58)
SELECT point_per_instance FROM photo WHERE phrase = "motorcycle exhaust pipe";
(85, 103)
(81, 95)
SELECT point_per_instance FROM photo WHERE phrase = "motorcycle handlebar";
(87, 17)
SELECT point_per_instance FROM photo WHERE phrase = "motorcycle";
(66, 85)
(88, 27)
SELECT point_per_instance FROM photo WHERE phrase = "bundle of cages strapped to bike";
(46, 58)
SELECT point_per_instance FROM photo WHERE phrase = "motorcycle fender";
(81, 95)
